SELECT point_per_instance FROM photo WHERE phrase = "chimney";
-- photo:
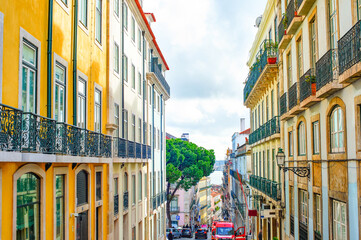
(243, 124)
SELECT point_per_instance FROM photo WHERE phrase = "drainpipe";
(75, 44)
(153, 138)
(144, 86)
(161, 140)
(50, 44)
(122, 27)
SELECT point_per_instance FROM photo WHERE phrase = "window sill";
(63, 6)
(337, 156)
(82, 27)
(99, 45)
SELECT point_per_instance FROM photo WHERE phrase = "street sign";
(177, 218)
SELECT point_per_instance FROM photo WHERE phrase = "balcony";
(283, 37)
(308, 89)
(174, 209)
(116, 204)
(125, 201)
(270, 188)
(293, 100)
(294, 21)
(349, 50)
(304, 6)
(283, 107)
(327, 74)
(155, 68)
(262, 73)
(122, 148)
(268, 129)
(292, 225)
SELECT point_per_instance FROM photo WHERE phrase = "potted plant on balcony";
(272, 52)
(285, 22)
(312, 79)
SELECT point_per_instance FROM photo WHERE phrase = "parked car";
(200, 234)
(186, 232)
(176, 233)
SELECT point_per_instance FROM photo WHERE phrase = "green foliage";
(275, 238)
(187, 163)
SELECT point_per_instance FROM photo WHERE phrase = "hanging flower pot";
(295, 13)
(271, 60)
(285, 32)
(313, 88)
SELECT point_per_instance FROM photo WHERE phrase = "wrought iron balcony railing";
(303, 230)
(327, 68)
(268, 187)
(283, 104)
(154, 202)
(144, 151)
(299, 3)
(290, 12)
(267, 49)
(116, 204)
(281, 29)
(138, 150)
(293, 94)
(149, 152)
(271, 127)
(306, 84)
(349, 48)
(125, 200)
(131, 149)
(156, 70)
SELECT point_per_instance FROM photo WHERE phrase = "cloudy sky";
(206, 44)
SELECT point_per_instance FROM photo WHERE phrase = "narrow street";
(209, 237)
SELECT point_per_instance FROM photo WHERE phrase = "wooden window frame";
(316, 118)
(300, 120)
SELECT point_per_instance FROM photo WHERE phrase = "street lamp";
(299, 171)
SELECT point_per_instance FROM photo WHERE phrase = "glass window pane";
(29, 54)
(31, 91)
(24, 89)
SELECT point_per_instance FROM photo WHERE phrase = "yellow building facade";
(66, 169)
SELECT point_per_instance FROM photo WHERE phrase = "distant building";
(185, 137)
(170, 136)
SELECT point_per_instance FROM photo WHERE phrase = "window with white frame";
(339, 220)
(290, 143)
(60, 205)
(116, 7)
(97, 110)
(59, 95)
(289, 69)
(316, 137)
(140, 188)
(98, 21)
(318, 213)
(83, 12)
(133, 29)
(301, 139)
(150, 94)
(116, 58)
(133, 127)
(82, 98)
(134, 190)
(29, 76)
(303, 206)
(158, 103)
(313, 42)
(299, 57)
(133, 76)
(158, 139)
(139, 40)
(333, 23)
(140, 130)
(139, 83)
(292, 201)
(125, 16)
(116, 119)
(358, 10)
(337, 130)
(125, 124)
(125, 68)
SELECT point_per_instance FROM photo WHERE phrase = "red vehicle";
(225, 230)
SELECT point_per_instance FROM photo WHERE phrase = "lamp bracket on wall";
(299, 171)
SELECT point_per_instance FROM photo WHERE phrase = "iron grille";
(303, 231)
(306, 84)
(125, 200)
(290, 12)
(293, 95)
(326, 68)
(116, 204)
(283, 104)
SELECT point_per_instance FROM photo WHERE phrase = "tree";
(187, 163)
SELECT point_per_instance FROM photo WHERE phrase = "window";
(28, 218)
(333, 24)
(289, 69)
(29, 77)
(133, 127)
(316, 137)
(59, 93)
(318, 213)
(116, 197)
(262, 114)
(60, 206)
(303, 206)
(65, 2)
(81, 103)
(140, 130)
(150, 95)
(264, 164)
(145, 133)
(267, 111)
(116, 58)
(82, 188)
(339, 220)
(158, 105)
(268, 165)
(133, 234)
(134, 191)
(98, 187)
(139, 83)
(125, 68)
(133, 29)
(158, 138)
(337, 130)
(301, 139)
(133, 76)
(145, 185)
(97, 110)
(292, 201)
(125, 16)
(116, 119)
(259, 164)
(98, 21)
(276, 29)
(125, 124)
(116, 7)
(140, 181)
(139, 40)
(125, 182)
(313, 42)
(83, 12)
(358, 10)
(272, 102)
(290, 144)
(299, 57)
